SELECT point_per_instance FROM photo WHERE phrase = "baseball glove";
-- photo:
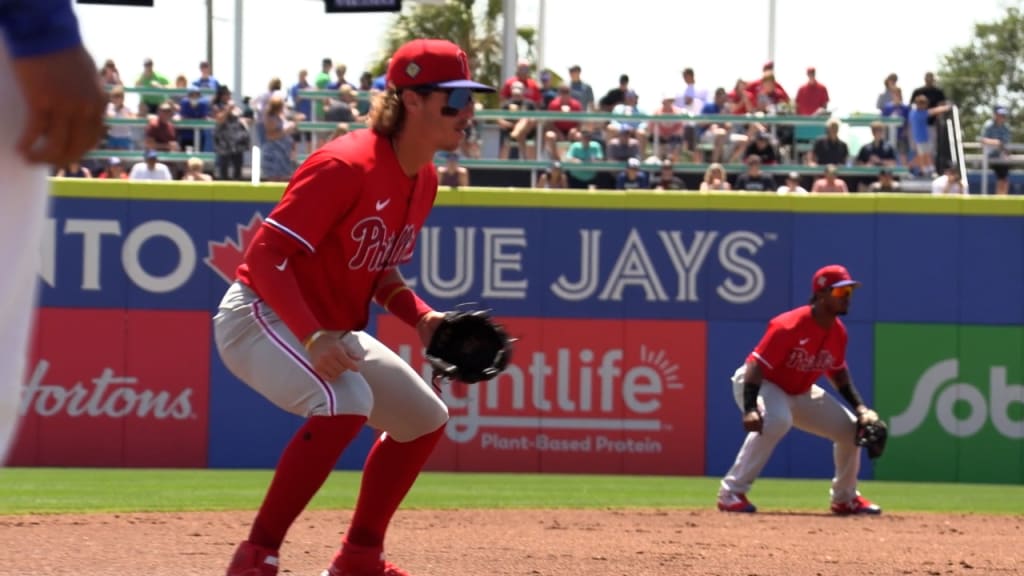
(873, 437)
(469, 347)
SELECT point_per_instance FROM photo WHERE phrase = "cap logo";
(821, 281)
(463, 63)
(412, 70)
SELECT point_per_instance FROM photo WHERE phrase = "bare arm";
(843, 383)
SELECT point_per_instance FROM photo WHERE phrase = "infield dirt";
(533, 543)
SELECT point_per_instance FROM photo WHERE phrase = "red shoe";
(859, 505)
(735, 502)
(353, 560)
(253, 560)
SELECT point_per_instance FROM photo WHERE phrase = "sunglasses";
(458, 98)
(842, 291)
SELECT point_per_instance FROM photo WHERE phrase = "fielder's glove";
(468, 346)
(872, 436)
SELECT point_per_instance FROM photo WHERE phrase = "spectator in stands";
(615, 96)
(323, 78)
(792, 185)
(194, 107)
(886, 97)
(205, 81)
(194, 171)
(230, 137)
(741, 99)
(260, 104)
(666, 179)
(936, 103)
(451, 174)
(340, 130)
(363, 96)
(632, 178)
(894, 107)
(298, 100)
(885, 182)
(690, 90)
(878, 152)
(580, 90)
(381, 82)
(564, 102)
(180, 82)
(277, 162)
(114, 170)
(624, 145)
(637, 128)
(150, 169)
(160, 132)
(763, 148)
(110, 76)
(119, 136)
(344, 108)
(583, 150)
(716, 134)
(530, 89)
(339, 78)
(672, 136)
(768, 71)
(829, 149)
(548, 92)
(830, 183)
(812, 98)
(150, 79)
(922, 135)
(753, 179)
(995, 137)
(517, 129)
(553, 177)
(715, 178)
(74, 170)
(768, 96)
(949, 183)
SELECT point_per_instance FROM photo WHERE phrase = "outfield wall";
(633, 310)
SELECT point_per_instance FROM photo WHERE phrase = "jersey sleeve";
(771, 351)
(322, 190)
(38, 27)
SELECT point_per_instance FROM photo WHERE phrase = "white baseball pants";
(23, 204)
(816, 412)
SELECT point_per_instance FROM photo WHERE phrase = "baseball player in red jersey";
(291, 325)
(775, 389)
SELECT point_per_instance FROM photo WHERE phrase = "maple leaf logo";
(224, 257)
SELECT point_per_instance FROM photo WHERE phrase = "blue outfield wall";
(729, 261)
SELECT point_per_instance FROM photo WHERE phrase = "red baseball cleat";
(735, 502)
(253, 560)
(859, 505)
(353, 560)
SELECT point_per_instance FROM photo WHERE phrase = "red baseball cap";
(832, 276)
(431, 62)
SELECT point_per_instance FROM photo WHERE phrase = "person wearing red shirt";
(812, 98)
(775, 390)
(292, 324)
(564, 102)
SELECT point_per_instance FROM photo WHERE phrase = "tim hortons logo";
(225, 257)
(107, 395)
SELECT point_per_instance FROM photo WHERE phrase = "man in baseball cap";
(834, 286)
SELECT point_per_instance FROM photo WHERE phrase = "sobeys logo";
(938, 383)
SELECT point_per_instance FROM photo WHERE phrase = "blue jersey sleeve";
(38, 27)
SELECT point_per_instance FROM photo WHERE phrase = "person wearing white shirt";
(150, 169)
(792, 185)
(949, 183)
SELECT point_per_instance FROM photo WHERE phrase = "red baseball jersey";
(349, 214)
(795, 350)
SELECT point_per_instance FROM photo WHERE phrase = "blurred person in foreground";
(55, 105)
(292, 324)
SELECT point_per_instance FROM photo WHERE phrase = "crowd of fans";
(649, 151)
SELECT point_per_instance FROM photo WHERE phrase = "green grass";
(60, 490)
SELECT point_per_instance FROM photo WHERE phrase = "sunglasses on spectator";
(842, 291)
(458, 98)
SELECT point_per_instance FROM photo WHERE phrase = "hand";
(752, 421)
(867, 416)
(66, 106)
(330, 357)
(427, 325)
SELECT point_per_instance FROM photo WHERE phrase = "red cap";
(432, 62)
(769, 65)
(833, 276)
